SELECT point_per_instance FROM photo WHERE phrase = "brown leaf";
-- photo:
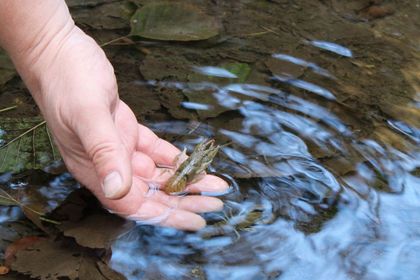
(96, 231)
(4, 270)
(49, 259)
(108, 273)
(19, 245)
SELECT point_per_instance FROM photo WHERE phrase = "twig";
(8, 109)
(18, 151)
(51, 142)
(270, 30)
(18, 203)
(33, 148)
(23, 134)
(114, 40)
(4, 158)
(255, 34)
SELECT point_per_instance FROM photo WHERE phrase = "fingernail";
(112, 185)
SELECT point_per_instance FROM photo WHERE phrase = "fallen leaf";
(7, 201)
(17, 246)
(97, 231)
(240, 70)
(25, 143)
(75, 206)
(107, 16)
(4, 270)
(108, 273)
(173, 21)
(36, 201)
(50, 259)
(14, 230)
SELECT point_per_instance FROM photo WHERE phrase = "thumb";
(105, 149)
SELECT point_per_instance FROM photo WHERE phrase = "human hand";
(101, 142)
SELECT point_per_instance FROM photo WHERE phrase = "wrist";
(32, 33)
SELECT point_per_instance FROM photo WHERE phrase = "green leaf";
(7, 201)
(240, 70)
(173, 21)
(25, 143)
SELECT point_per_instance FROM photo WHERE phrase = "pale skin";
(98, 136)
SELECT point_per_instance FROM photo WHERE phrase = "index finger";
(159, 150)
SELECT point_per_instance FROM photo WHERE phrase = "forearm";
(30, 30)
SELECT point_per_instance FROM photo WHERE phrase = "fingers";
(105, 149)
(152, 212)
(210, 184)
(161, 151)
(158, 208)
(144, 167)
(191, 203)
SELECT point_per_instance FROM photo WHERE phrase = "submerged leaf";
(25, 143)
(97, 230)
(18, 245)
(173, 21)
(7, 201)
(49, 259)
(32, 202)
(107, 16)
(240, 70)
(13, 229)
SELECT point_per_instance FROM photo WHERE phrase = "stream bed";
(319, 102)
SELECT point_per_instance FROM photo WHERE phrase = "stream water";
(319, 101)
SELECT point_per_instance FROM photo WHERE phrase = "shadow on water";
(321, 112)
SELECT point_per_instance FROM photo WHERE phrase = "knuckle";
(100, 152)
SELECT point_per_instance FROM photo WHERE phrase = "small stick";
(114, 40)
(51, 142)
(8, 109)
(270, 30)
(255, 34)
(23, 134)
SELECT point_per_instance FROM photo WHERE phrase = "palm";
(147, 151)
(98, 134)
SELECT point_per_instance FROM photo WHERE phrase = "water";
(324, 131)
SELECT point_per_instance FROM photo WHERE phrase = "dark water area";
(319, 102)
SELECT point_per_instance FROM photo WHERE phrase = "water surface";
(323, 120)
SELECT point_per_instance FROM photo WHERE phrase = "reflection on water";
(351, 213)
(323, 155)
(335, 48)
